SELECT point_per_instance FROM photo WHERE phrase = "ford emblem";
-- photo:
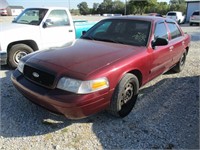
(35, 74)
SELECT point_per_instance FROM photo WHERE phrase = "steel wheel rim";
(127, 94)
(19, 55)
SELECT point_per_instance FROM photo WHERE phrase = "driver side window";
(160, 31)
(58, 18)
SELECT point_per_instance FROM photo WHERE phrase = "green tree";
(118, 7)
(139, 7)
(105, 7)
(83, 8)
(178, 5)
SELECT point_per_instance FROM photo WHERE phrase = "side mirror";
(47, 23)
(159, 42)
(84, 32)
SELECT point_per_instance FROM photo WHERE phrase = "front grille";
(38, 76)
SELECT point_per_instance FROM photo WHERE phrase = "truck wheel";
(180, 65)
(124, 96)
(17, 52)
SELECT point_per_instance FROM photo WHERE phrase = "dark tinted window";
(160, 31)
(131, 32)
(197, 13)
(171, 14)
(174, 31)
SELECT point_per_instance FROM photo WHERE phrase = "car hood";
(83, 56)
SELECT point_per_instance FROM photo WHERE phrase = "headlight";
(20, 66)
(82, 87)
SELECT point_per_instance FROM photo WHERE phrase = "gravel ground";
(166, 116)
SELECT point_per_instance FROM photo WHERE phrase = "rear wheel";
(17, 52)
(191, 23)
(124, 96)
(180, 65)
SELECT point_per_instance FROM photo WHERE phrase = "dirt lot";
(166, 115)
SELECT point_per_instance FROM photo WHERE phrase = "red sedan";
(105, 68)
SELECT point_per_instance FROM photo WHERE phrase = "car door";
(161, 55)
(57, 29)
(176, 41)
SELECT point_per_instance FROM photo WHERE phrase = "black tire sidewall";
(16, 49)
(179, 66)
(115, 102)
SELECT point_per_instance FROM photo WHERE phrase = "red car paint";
(88, 59)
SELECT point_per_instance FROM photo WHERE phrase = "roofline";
(48, 7)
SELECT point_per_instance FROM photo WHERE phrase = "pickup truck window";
(174, 31)
(58, 18)
(31, 16)
(130, 32)
(160, 31)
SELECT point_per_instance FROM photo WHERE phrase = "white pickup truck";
(37, 29)
(176, 16)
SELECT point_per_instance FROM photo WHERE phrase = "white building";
(14, 10)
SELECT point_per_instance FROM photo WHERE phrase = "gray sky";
(3, 4)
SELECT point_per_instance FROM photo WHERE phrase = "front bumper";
(73, 106)
(3, 58)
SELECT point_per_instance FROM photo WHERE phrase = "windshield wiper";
(111, 40)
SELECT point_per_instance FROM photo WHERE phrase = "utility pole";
(125, 7)
(69, 4)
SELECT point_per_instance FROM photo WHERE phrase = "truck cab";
(35, 29)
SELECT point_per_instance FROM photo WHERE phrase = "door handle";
(70, 30)
(171, 48)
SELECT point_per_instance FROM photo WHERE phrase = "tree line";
(130, 7)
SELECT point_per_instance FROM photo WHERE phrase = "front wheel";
(180, 65)
(124, 96)
(17, 52)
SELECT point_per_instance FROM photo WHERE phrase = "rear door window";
(174, 30)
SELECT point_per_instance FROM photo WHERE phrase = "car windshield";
(123, 31)
(31, 16)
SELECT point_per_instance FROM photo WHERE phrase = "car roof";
(49, 7)
(142, 18)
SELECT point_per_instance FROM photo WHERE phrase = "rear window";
(171, 14)
(197, 13)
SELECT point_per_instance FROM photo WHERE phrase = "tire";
(181, 63)
(191, 23)
(16, 53)
(124, 96)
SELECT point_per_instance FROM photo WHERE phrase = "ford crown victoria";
(104, 69)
